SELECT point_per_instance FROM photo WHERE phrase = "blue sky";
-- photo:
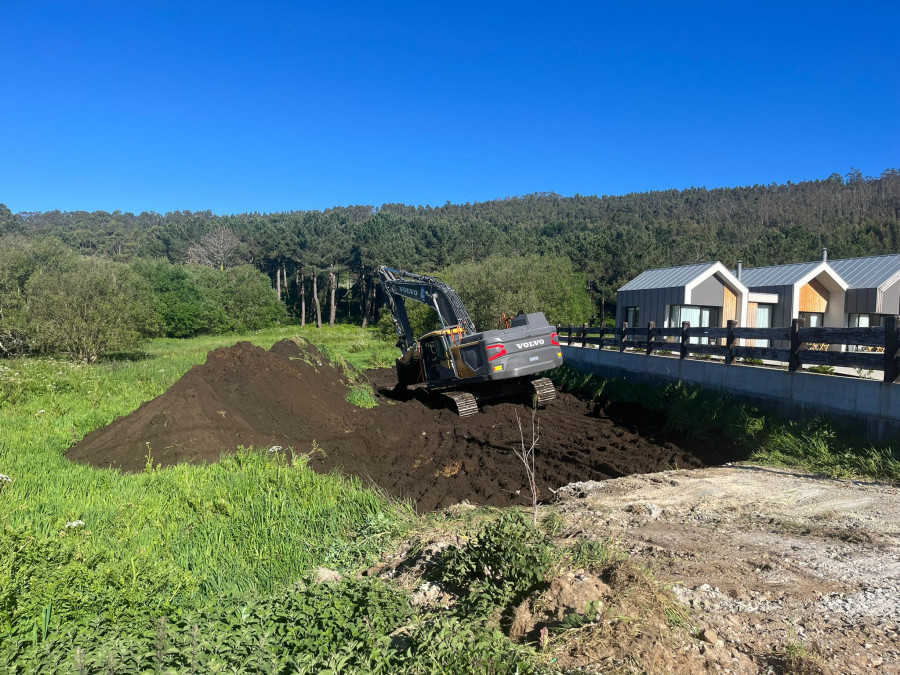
(271, 106)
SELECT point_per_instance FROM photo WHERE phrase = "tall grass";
(251, 523)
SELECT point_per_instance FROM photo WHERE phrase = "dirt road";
(777, 564)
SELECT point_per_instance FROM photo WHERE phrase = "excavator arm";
(400, 286)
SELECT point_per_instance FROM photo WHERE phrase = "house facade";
(873, 288)
(848, 292)
(705, 294)
(813, 292)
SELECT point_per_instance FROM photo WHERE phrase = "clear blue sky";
(271, 106)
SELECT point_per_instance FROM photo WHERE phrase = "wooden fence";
(808, 346)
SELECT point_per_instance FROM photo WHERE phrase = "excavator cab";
(436, 358)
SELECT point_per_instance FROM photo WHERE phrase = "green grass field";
(80, 543)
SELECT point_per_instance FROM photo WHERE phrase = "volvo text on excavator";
(464, 365)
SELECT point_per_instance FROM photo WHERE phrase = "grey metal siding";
(652, 302)
(870, 306)
(781, 312)
(853, 301)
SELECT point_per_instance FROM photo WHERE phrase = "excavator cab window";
(436, 359)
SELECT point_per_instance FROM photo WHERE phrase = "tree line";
(54, 300)
(321, 263)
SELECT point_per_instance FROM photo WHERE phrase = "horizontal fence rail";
(874, 348)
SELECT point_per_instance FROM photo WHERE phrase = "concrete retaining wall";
(866, 406)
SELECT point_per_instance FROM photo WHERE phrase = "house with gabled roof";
(811, 291)
(873, 288)
(705, 294)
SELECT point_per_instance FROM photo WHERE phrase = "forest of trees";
(320, 263)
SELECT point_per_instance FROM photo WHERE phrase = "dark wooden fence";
(807, 346)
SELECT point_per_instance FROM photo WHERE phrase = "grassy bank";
(81, 544)
(815, 446)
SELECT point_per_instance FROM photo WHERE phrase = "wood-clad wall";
(752, 309)
(729, 309)
(813, 297)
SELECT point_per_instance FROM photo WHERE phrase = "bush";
(530, 284)
(20, 259)
(251, 303)
(422, 319)
(179, 301)
(96, 307)
(190, 300)
(507, 559)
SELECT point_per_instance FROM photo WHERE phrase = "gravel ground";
(775, 563)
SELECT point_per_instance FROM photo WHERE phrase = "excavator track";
(544, 391)
(464, 402)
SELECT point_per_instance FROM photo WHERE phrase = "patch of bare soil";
(409, 446)
(783, 572)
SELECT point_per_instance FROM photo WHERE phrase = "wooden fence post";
(891, 344)
(794, 357)
(650, 330)
(622, 330)
(684, 339)
(569, 339)
(729, 342)
(584, 329)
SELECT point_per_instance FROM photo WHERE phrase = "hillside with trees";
(320, 263)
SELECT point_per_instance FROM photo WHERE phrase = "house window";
(812, 319)
(763, 320)
(698, 317)
(633, 316)
(862, 321)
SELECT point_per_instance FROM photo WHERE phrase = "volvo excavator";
(459, 363)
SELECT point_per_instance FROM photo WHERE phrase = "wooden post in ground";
(622, 336)
(651, 328)
(729, 342)
(684, 339)
(891, 345)
(794, 358)
(569, 339)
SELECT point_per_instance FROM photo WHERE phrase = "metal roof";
(777, 275)
(667, 277)
(867, 272)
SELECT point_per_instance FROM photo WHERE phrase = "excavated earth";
(780, 572)
(292, 396)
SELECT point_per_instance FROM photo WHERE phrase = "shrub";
(193, 299)
(20, 259)
(505, 561)
(251, 303)
(179, 301)
(528, 283)
(96, 307)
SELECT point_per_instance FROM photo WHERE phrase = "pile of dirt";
(291, 396)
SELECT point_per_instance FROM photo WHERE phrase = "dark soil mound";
(293, 397)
